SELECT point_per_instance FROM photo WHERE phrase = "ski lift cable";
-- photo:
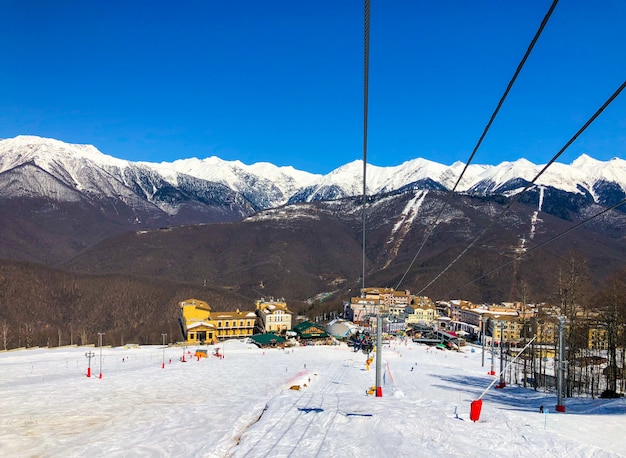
(497, 377)
(482, 137)
(541, 245)
(531, 184)
(366, 62)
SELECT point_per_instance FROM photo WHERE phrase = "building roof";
(271, 305)
(341, 328)
(197, 303)
(375, 290)
(232, 315)
(308, 329)
(264, 340)
(269, 308)
(420, 307)
(198, 324)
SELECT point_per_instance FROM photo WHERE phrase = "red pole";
(89, 372)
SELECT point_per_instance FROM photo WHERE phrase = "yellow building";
(201, 325)
(274, 316)
(386, 301)
(423, 313)
(598, 338)
(506, 329)
(457, 307)
(547, 331)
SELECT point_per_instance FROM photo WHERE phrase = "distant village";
(272, 323)
(526, 334)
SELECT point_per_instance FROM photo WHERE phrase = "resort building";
(200, 325)
(274, 316)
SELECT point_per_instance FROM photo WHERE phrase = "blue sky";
(282, 81)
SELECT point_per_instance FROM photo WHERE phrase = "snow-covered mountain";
(72, 206)
(39, 167)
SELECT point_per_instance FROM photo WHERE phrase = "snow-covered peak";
(270, 185)
(271, 171)
(584, 161)
(44, 151)
(238, 176)
(590, 172)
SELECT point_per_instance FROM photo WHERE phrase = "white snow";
(410, 212)
(535, 217)
(241, 406)
(76, 166)
(235, 174)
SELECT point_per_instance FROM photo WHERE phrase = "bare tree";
(28, 335)
(612, 302)
(5, 333)
(83, 336)
(572, 291)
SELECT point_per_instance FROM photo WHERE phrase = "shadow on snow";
(527, 399)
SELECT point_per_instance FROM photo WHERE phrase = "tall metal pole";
(493, 370)
(89, 355)
(100, 334)
(379, 359)
(501, 384)
(560, 407)
(366, 65)
(482, 335)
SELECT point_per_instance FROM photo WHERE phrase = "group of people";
(362, 341)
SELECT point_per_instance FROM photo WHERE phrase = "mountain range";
(125, 234)
(212, 189)
(59, 199)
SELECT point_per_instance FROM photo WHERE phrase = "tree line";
(595, 335)
(42, 306)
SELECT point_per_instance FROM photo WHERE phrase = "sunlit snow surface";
(242, 406)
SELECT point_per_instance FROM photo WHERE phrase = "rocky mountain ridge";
(58, 200)
(128, 240)
(82, 169)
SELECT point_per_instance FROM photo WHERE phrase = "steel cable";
(480, 140)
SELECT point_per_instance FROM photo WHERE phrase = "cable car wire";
(480, 140)
(531, 184)
(541, 245)
(366, 65)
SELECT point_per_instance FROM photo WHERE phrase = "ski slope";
(243, 405)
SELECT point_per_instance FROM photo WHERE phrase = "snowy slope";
(242, 406)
